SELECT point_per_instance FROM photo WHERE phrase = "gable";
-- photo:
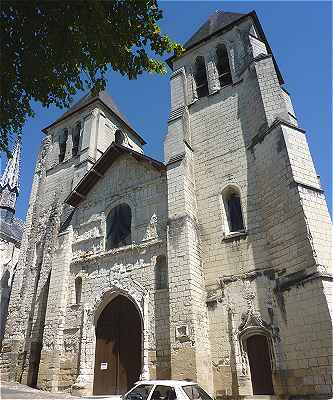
(102, 166)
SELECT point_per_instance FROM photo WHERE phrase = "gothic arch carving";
(252, 324)
(103, 299)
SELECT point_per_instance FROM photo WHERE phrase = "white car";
(166, 390)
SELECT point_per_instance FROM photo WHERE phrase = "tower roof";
(89, 98)
(216, 22)
(104, 98)
(11, 174)
(220, 22)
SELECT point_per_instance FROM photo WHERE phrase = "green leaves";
(52, 49)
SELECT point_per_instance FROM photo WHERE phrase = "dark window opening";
(222, 65)
(161, 273)
(235, 213)
(200, 77)
(119, 137)
(118, 227)
(76, 139)
(62, 144)
(78, 290)
(233, 209)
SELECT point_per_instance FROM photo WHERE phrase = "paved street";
(13, 390)
(10, 390)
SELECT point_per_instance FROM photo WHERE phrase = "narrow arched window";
(161, 273)
(233, 210)
(200, 77)
(118, 227)
(119, 137)
(78, 290)
(76, 138)
(222, 65)
(62, 144)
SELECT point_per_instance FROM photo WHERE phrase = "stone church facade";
(213, 266)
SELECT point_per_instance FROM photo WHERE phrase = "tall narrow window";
(76, 138)
(222, 65)
(119, 137)
(233, 210)
(78, 290)
(200, 77)
(62, 144)
(161, 273)
(118, 227)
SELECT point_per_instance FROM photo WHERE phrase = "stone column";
(192, 87)
(212, 74)
(85, 379)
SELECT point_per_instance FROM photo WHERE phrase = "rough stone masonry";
(222, 252)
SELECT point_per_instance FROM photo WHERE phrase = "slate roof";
(216, 22)
(13, 230)
(107, 100)
(220, 22)
(97, 171)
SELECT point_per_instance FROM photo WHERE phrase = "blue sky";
(300, 36)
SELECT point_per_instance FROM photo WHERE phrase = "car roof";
(165, 382)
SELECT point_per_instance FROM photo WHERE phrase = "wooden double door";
(118, 347)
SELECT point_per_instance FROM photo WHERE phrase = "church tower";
(11, 230)
(249, 231)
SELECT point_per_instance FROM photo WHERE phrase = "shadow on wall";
(162, 320)
(38, 331)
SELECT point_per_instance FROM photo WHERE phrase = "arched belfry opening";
(118, 356)
(258, 354)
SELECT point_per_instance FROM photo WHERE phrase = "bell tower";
(249, 230)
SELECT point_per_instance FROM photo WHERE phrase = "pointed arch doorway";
(118, 347)
(260, 364)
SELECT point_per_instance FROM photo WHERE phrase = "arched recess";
(78, 290)
(258, 355)
(119, 137)
(232, 209)
(200, 77)
(223, 65)
(119, 346)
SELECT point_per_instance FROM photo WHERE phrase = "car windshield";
(195, 392)
(141, 392)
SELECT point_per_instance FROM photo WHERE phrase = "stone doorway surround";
(118, 347)
(135, 292)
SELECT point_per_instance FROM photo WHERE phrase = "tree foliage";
(52, 49)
